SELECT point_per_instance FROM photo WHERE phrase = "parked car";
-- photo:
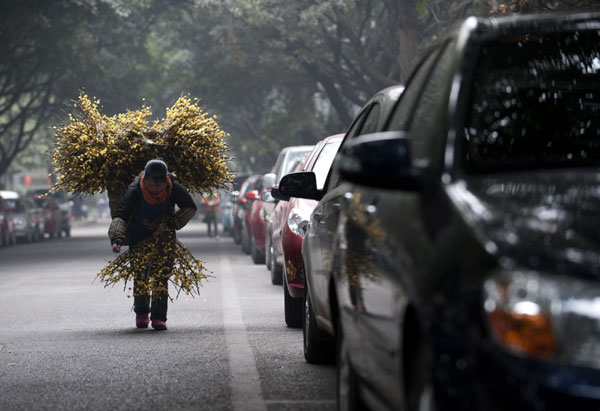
(27, 217)
(52, 215)
(249, 193)
(287, 157)
(235, 195)
(256, 227)
(64, 204)
(293, 225)
(317, 246)
(466, 272)
(7, 228)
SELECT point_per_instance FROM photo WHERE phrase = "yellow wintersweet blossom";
(96, 153)
(149, 262)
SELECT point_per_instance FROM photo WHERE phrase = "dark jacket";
(132, 201)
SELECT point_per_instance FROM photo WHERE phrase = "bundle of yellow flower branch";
(151, 268)
(95, 152)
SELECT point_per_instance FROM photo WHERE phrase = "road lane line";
(245, 381)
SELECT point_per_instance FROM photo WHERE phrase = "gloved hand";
(171, 223)
(116, 246)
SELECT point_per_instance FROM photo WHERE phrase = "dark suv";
(466, 267)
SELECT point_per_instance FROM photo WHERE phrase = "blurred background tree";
(275, 72)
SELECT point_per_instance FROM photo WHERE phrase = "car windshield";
(323, 162)
(14, 205)
(535, 103)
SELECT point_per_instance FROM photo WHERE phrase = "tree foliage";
(276, 72)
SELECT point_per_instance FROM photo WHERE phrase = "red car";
(256, 228)
(52, 215)
(288, 156)
(251, 196)
(277, 217)
(293, 227)
(240, 206)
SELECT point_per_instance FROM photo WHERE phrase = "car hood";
(540, 220)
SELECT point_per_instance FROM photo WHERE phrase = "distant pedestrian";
(211, 204)
(149, 203)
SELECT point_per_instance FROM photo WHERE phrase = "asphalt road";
(67, 343)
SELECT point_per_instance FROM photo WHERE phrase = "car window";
(535, 103)
(428, 124)
(333, 178)
(370, 123)
(400, 119)
(323, 163)
(292, 158)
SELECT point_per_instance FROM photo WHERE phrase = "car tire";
(268, 252)
(237, 239)
(293, 309)
(276, 273)
(348, 397)
(245, 241)
(318, 347)
(257, 256)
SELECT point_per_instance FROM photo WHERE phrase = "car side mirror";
(277, 195)
(380, 160)
(252, 195)
(267, 197)
(269, 181)
(301, 185)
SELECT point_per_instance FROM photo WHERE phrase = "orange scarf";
(156, 199)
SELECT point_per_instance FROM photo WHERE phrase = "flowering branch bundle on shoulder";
(94, 152)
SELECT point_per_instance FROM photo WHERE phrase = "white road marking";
(245, 381)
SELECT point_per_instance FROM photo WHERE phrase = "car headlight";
(545, 317)
(298, 221)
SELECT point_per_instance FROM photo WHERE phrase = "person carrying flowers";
(147, 210)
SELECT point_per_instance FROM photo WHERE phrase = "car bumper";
(496, 380)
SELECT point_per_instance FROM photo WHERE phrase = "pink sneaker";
(141, 320)
(159, 325)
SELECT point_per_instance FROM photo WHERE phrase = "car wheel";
(318, 348)
(245, 241)
(348, 397)
(257, 256)
(268, 252)
(236, 236)
(276, 273)
(293, 309)
(419, 384)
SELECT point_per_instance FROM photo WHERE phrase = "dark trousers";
(156, 305)
(211, 220)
